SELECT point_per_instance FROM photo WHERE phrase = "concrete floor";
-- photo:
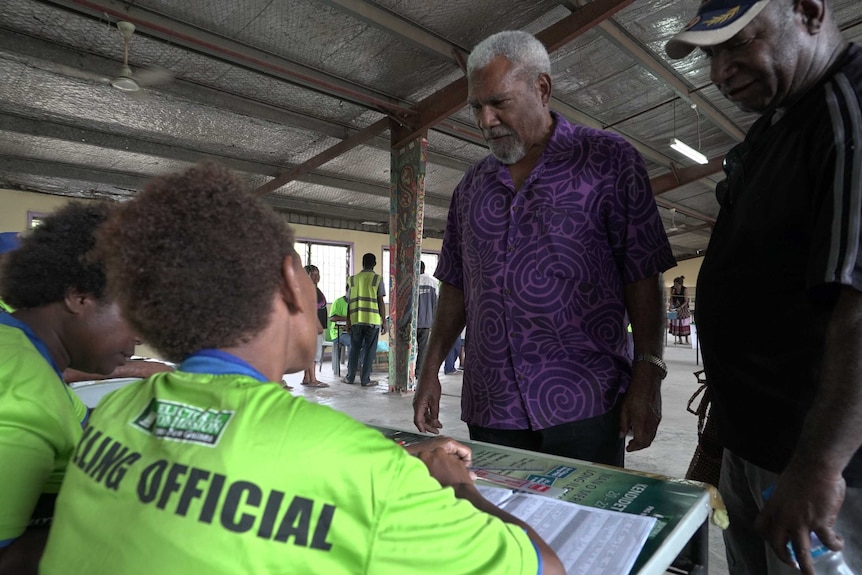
(669, 454)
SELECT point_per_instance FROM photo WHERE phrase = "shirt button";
(507, 292)
(511, 248)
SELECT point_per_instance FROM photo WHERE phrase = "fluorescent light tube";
(688, 151)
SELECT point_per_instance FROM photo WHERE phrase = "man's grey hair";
(518, 47)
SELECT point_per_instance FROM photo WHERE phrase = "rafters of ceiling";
(430, 112)
(442, 112)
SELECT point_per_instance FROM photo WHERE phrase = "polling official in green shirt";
(214, 468)
(63, 318)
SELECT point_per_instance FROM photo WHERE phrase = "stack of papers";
(587, 540)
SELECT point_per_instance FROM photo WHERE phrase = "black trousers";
(422, 335)
(596, 439)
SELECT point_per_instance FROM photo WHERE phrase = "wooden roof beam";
(681, 176)
(448, 100)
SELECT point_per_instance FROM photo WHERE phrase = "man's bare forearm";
(645, 306)
(132, 368)
(833, 428)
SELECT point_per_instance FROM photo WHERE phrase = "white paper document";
(587, 540)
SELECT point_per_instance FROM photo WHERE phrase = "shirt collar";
(41, 347)
(218, 362)
(7, 320)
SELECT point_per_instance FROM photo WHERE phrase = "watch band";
(653, 359)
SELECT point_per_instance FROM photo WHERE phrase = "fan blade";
(70, 71)
(153, 76)
(137, 96)
(87, 76)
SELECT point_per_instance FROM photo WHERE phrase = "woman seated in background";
(63, 319)
(213, 468)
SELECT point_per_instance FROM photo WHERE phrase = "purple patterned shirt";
(543, 270)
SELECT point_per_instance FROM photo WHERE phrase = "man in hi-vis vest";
(365, 314)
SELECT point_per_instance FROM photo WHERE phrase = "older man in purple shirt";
(553, 245)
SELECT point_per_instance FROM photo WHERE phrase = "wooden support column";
(407, 210)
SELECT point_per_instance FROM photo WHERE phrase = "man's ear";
(291, 288)
(544, 84)
(76, 301)
(812, 14)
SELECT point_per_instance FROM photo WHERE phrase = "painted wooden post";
(407, 210)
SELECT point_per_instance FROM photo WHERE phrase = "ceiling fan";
(126, 80)
(673, 227)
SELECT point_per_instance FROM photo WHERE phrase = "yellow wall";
(688, 268)
(15, 205)
(363, 242)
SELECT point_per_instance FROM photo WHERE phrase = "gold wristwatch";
(653, 359)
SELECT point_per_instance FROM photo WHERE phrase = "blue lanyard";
(8, 320)
(217, 362)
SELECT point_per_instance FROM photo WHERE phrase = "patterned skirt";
(680, 327)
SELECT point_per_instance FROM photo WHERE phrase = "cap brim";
(694, 35)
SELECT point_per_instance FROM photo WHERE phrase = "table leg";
(336, 355)
(694, 558)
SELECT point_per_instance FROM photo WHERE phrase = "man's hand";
(426, 405)
(641, 409)
(447, 444)
(382, 328)
(446, 467)
(805, 500)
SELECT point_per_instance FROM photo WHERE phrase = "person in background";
(788, 406)
(63, 319)
(365, 320)
(556, 232)
(338, 313)
(457, 352)
(224, 473)
(8, 242)
(425, 313)
(680, 326)
(462, 353)
(309, 378)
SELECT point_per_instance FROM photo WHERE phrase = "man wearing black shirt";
(789, 405)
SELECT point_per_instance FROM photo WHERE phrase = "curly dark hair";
(194, 260)
(53, 258)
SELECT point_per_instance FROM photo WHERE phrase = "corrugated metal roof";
(264, 86)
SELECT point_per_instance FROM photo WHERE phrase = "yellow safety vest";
(362, 306)
(6, 307)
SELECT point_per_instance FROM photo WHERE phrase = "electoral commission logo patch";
(185, 423)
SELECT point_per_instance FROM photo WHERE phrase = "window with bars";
(430, 259)
(333, 261)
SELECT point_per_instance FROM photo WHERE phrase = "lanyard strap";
(218, 362)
